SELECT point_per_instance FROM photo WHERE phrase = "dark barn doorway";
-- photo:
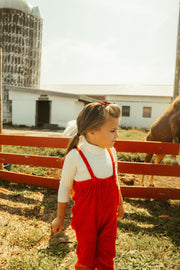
(43, 108)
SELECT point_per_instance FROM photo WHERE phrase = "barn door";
(43, 108)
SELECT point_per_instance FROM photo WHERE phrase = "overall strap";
(113, 162)
(86, 162)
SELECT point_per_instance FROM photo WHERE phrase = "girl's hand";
(57, 224)
(120, 210)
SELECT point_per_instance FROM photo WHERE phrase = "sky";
(108, 41)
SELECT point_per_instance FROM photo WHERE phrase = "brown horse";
(165, 129)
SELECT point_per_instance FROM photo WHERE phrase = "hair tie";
(104, 103)
(78, 134)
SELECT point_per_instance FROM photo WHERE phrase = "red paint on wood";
(131, 192)
(28, 179)
(151, 193)
(147, 147)
(40, 161)
(36, 141)
(148, 169)
(123, 167)
(62, 142)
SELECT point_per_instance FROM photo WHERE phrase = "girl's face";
(106, 135)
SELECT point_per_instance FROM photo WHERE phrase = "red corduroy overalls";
(94, 219)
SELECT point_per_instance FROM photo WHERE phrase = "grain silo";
(21, 42)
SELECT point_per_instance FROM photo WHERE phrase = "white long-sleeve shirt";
(74, 167)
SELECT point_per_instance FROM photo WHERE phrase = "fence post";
(177, 66)
(1, 104)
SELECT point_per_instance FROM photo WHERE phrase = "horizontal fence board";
(123, 167)
(29, 179)
(50, 142)
(121, 146)
(147, 147)
(151, 193)
(148, 169)
(131, 192)
(40, 161)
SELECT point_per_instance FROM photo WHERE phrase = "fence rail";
(123, 167)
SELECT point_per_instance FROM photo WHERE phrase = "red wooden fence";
(123, 167)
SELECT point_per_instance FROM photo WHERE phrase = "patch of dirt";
(31, 132)
(159, 181)
(134, 180)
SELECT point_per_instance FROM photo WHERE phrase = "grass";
(41, 151)
(25, 232)
(145, 240)
(148, 236)
(132, 134)
(149, 241)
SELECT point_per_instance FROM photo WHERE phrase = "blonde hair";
(92, 117)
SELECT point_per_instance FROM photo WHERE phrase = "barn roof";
(52, 93)
(112, 89)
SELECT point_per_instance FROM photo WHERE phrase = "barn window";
(126, 111)
(147, 112)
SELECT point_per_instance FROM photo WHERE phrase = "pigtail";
(73, 143)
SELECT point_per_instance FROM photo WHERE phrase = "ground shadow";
(44, 210)
(164, 217)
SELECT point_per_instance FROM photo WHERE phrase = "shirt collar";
(91, 147)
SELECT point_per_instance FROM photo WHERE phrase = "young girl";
(90, 168)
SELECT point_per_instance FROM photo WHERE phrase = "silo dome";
(16, 4)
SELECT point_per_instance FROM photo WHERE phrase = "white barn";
(140, 111)
(36, 107)
(141, 105)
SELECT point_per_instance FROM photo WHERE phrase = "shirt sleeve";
(116, 164)
(67, 177)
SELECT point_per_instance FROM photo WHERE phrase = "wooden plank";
(131, 192)
(28, 179)
(52, 142)
(147, 147)
(41, 161)
(148, 169)
(121, 146)
(123, 167)
(151, 193)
